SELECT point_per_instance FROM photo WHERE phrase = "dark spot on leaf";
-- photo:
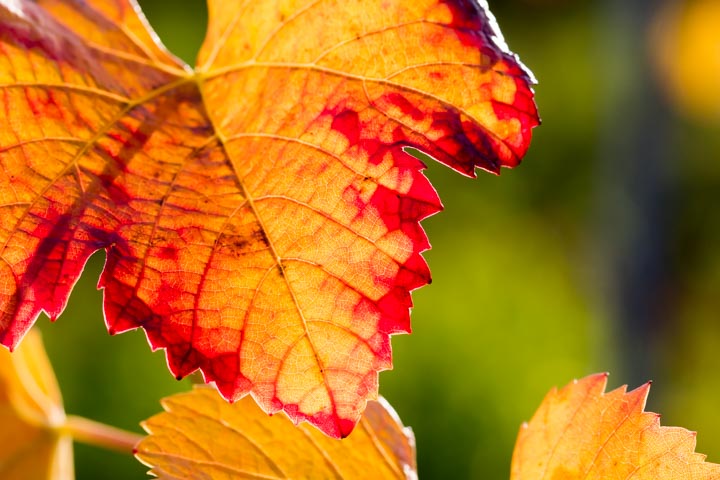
(240, 243)
(260, 236)
(168, 253)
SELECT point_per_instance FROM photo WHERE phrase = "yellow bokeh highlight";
(685, 42)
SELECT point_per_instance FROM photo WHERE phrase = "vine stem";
(100, 435)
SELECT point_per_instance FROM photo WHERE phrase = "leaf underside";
(259, 213)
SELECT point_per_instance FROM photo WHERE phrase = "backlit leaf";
(31, 414)
(260, 214)
(201, 436)
(580, 432)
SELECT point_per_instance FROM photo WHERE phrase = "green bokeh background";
(521, 298)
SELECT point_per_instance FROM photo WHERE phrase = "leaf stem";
(98, 434)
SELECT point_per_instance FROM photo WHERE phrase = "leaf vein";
(351, 76)
(367, 426)
(275, 254)
(238, 431)
(266, 43)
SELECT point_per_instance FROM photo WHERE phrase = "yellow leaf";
(31, 414)
(579, 432)
(201, 436)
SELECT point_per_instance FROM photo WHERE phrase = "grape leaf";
(200, 436)
(260, 213)
(31, 415)
(581, 432)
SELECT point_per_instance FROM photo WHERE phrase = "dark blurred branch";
(635, 186)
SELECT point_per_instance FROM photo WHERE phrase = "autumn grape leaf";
(260, 213)
(31, 416)
(581, 432)
(201, 436)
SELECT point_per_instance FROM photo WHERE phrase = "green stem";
(98, 434)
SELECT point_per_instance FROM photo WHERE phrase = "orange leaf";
(200, 436)
(31, 416)
(260, 214)
(579, 432)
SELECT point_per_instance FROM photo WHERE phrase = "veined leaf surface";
(201, 436)
(580, 431)
(259, 213)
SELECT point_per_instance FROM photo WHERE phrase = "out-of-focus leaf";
(261, 213)
(686, 46)
(31, 414)
(580, 432)
(201, 436)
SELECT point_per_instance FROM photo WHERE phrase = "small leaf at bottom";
(202, 436)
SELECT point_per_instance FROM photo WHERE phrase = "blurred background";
(599, 253)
